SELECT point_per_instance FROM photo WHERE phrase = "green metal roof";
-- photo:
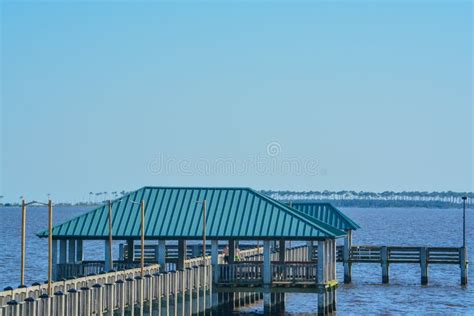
(326, 213)
(173, 213)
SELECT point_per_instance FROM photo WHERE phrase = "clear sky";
(271, 95)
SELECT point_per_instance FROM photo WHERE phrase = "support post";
(62, 251)
(71, 251)
(181, 254)
(347, 257)
(162, 255)
(54, 259)
(310, 250)
(282, 250)
(464, 265)
(130, 250)
(321, 276)
(107, 258)
(321, 262)
(79, 250)
(215, 259)
(231, 251)
(267, 277)
(385, 264)
(424, 265)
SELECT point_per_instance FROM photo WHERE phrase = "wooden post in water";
(424, 265)
(463, 263)
(346, 254)
(23, 242)
(385, 265)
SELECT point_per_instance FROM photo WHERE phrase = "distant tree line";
(444, 199)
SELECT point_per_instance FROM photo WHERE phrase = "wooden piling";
(463, 264)
(424, 265)
(385, 265)
(346, 257)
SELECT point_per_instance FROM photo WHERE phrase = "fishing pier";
(185, 250)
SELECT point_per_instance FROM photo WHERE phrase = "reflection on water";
(222, 303)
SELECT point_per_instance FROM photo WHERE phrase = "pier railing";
(241, 273)
(293, 273)
(106, 293)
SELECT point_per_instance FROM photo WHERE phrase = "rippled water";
(366, 295)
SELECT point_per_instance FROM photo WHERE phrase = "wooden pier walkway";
(114, 292)
(117, 291)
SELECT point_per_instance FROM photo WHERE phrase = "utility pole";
(142, 259)
(50, 245)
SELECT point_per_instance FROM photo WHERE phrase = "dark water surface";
(366, 295)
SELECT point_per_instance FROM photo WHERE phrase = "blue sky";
(306, 96)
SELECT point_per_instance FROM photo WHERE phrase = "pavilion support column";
(215, 260)
(310, 250)
(62, 255)
(267, 277)
(130, 250)
(54, 260)
(282, 250)
(346, 255)
(79, 250)
(71, 253)
(321, 276)
(162, 255)
(181, 254)
(62, 251)
(107, 266)
(231, 251)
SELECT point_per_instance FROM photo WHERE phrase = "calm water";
(366, 295)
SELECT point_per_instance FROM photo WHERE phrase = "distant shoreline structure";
(416, 199)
